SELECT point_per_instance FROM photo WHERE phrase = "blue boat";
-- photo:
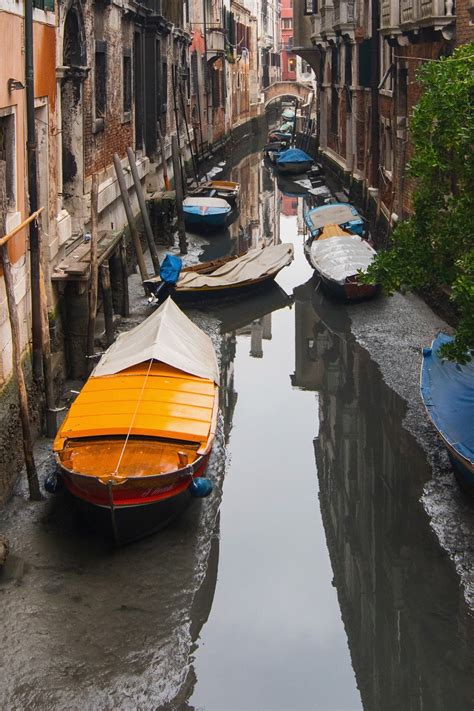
(294, 161)
(206, 212)
(337, 213)
(447, 391)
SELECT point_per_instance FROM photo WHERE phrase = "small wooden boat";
(337, 257)
(338, 213)
(223, 278)
(135, 444)
(283, 136)
(224, 189)
(206, 212)
(293, 161)
(447, 391)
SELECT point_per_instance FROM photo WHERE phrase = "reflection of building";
(260, 218)
(407, 627)
(289, 205)
(258, 330)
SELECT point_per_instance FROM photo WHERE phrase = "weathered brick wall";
(117, 133)
(464, 30)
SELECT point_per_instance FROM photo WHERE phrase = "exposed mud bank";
(394, 331)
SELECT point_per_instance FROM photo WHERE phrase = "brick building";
(288, 59)
(365, 56)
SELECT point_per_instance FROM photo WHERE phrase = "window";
(292, 64)
(7, 154)
(44, 5)
(194, 74)
(348, 64)
(287, 23)
(311, 7)
(100, 81)
(386, 66)
(290, 43)
(386, 152)
(164, 88)
(334, 111)
(127, 83)
(334, 65)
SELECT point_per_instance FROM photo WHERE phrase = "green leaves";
(435, 247)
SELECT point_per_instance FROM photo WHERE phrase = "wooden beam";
(178, 186)
(107, 303)
(7, 237)
(31, 473)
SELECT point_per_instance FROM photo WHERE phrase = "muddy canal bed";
(311, 579)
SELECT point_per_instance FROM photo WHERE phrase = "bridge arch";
(286, 88)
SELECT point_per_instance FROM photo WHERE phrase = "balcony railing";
(343, 13)
(428, 13)
(389, 14)
(327, 18)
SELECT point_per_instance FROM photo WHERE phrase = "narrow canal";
(309, 580)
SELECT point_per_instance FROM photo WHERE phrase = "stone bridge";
(287, 88)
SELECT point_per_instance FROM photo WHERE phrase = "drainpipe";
(33, 194)
(207, 78)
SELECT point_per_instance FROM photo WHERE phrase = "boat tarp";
(294, 155)
(447, 389)
(288, 114)
(171, 268)
(203, 202)
(336, 214)
(255, 264)
(168, 336)
(337, 258)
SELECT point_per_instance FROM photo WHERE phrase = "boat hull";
(351, 290)
(136, 509)
(294, 168)
(206, 221)
(463, 472)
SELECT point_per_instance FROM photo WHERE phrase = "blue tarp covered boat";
(294, 161)
(337, 213)
(206, 212)
(447, 390)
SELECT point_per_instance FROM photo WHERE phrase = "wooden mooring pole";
(145, 217)
(32, 474)
(131, 222)
(107, 303)
(178, 186)
(166, 180)
(94, 271)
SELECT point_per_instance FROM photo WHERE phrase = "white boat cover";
(168, 336)
(205, 202)
(331, 215)
(337, 258)
(253, 265)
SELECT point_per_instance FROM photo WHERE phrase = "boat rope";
(115, 473)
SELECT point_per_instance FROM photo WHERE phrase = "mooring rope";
(115, 473)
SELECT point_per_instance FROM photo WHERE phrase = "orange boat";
(134, 446)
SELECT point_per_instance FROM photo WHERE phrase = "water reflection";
(408, 628)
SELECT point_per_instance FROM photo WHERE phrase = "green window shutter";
(49, 5)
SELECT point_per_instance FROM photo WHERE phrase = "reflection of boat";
(337, 257)
(206, 212)
(447, 390)
(290, 187)
(293, 161)
(236, 315)
(142, 428)
(342, 214)
(225, 277)
(332, 315)
(224, 189)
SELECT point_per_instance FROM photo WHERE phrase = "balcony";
(344, 20)
(415, 14)
(390, 16)
(327, 21)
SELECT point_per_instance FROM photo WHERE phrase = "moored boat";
(223, 189)
(447, 391)
(224, 278)
(206, 212)
(294, 161)
(338, 213)
(337, 257)
(135, 444)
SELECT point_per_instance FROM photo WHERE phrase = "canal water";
(309, 580)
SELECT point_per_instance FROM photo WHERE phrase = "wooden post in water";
(50, 399)
(94, 270)
(123, 261)
(178, 186)
(144, 211)
(131, 223)
(107, 303)
(32, 475)
(166, 180)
